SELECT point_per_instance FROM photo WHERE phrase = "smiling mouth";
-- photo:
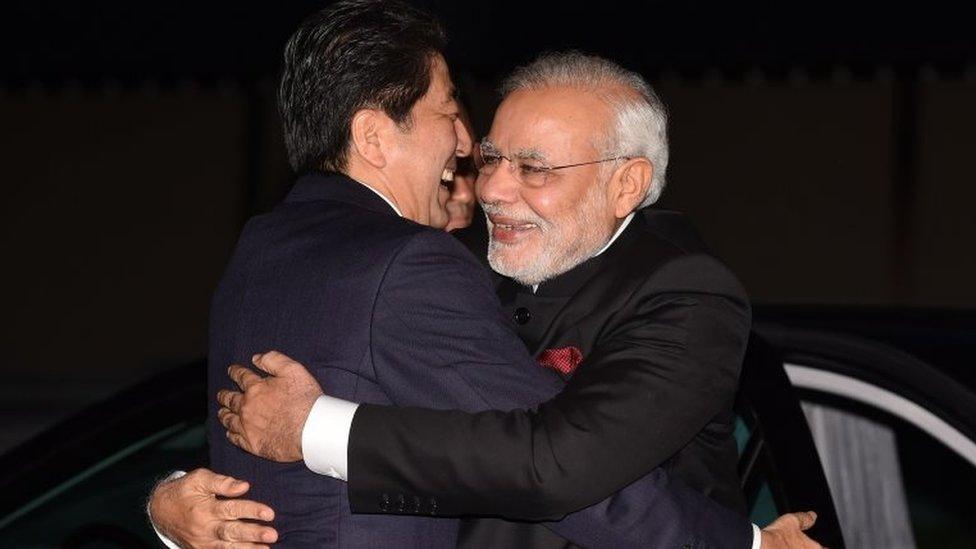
(516, 226)
(509, 224)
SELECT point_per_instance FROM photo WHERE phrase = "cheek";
(547, 203)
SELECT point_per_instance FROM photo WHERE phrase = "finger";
(221, 485)
(242, 376)
(230, 421)
(801, 520)
(806, 519)
(230, 400)
(234, 509)
(239, 545)
(273, 362)
(239, 531)
(787, 521)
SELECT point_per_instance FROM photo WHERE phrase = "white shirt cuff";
(325, 436)
(756, 537)
(166, 541)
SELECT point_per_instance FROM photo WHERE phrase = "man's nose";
(498, 186)
(464, 139)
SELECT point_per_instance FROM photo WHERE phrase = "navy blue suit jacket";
(385, 311)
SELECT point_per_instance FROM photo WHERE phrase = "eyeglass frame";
(544, 169)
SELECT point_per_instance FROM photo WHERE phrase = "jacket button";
(401, 503)
(522, 316)
(433, 506)
(385, 503)
(416, 505)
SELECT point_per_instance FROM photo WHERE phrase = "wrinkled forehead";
(556, 122)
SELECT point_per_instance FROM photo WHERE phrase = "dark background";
(825, 150)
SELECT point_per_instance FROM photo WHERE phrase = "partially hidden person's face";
(460, 204)
(427, 149)
(536, 233)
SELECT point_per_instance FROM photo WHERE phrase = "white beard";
(561, 249)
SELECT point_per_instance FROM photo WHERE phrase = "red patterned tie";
(561, 359)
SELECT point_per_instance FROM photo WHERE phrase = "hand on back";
(188, 512)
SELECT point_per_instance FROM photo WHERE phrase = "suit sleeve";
(440, 340)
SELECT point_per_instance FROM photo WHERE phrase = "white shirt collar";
(616, 235)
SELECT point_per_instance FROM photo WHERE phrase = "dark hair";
(352, 55)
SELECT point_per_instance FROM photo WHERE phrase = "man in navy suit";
(386, 311)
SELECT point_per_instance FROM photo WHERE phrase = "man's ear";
(367, 132)
(629, 185)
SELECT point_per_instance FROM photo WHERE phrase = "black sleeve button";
(522, 316)
(385, 503)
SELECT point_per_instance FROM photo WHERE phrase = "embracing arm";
(636, 401)
(436, 343)
(642, 394)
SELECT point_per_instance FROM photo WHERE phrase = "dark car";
(834, 415)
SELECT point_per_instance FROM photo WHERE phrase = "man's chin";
(506, 254)
(439, 216)
(502, 262)
(440, 222)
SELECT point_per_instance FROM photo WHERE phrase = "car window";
(762, 506)
(892, 483)
(103, 505)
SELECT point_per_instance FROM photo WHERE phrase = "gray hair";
(640, 126)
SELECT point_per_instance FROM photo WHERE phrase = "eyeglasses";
(527, 168)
